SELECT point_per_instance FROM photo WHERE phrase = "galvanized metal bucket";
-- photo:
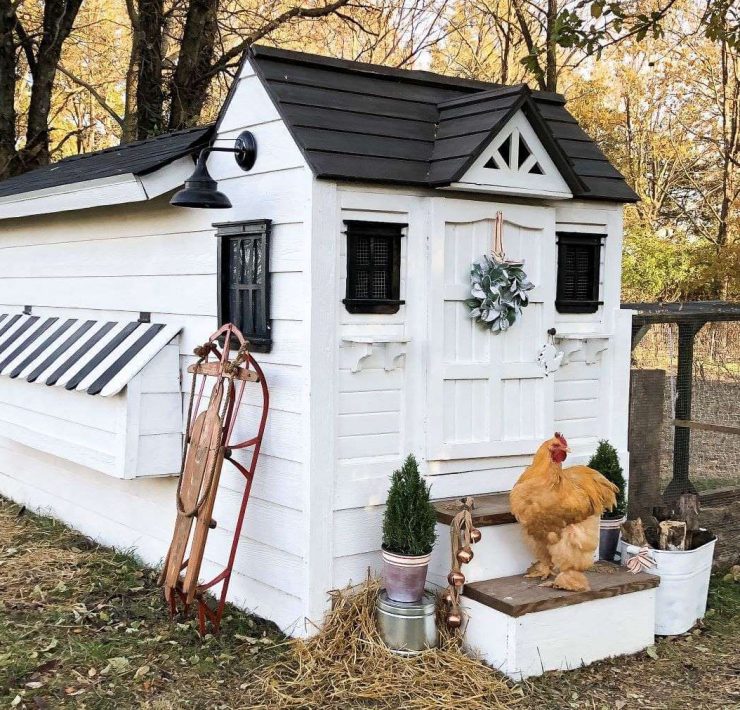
(407, 627)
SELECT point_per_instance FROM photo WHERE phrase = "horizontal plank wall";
(591, 393)
(371, 391)
(115, 262)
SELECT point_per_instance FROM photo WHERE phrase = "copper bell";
(448, 597)
(475, 535)
(464, 556)
(454, 620)
(456, 579)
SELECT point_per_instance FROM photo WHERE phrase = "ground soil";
(82, 626)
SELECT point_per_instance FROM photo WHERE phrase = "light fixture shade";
(201, 191)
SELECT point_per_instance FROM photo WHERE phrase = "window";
(243, 283)
(373, 267)
(579, 258)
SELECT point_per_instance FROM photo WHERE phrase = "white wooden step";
(501, 551)
(523, 630)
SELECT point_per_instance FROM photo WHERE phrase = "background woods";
(656, 82)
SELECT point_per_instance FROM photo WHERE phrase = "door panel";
(489, 394)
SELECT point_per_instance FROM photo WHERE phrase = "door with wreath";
(488, 396)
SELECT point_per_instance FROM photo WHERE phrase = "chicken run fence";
(684, 404)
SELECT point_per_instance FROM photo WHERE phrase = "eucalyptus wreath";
(498, 290)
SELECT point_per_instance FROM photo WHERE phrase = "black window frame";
(591, 244)
(393, 232)
(257, 230)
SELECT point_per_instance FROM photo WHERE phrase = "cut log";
(672, 535)
(633, 533)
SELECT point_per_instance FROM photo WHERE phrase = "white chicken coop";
(373, 191)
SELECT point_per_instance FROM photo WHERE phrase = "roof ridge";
(380, 71)
(133, 144)
(498, 92)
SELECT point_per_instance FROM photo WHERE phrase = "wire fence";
(715, 395)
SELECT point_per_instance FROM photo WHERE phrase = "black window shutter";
(579, 264)
(373, 266)
(243, 280)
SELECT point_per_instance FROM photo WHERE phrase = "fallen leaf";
(34, 684)
(16, 701)
(141, 671)
(652, 652)
(119, 664)
(91, 672)
(50, 646)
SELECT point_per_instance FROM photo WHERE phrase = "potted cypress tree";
(408, 534)
(606, 462)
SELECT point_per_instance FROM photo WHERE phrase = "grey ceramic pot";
(405, 576)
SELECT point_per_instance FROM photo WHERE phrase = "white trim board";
(509, 177)
(114, 190)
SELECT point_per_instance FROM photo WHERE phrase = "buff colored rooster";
(559, 510)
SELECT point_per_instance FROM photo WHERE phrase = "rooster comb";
(561, 439)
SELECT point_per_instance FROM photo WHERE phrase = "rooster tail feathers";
(601, 492)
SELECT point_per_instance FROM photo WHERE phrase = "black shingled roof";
(137, 158)
(356, 121)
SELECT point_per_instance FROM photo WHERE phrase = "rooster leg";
(542, 568)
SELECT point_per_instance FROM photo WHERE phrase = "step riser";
(563, 638)
(501, 552)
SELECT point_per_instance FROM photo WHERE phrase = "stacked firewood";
(677, 527)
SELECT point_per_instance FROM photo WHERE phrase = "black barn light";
(201, 190)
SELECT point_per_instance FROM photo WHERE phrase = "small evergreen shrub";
(409, 519)
(606, 462)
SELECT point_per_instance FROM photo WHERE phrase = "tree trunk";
(129, 127)
(59, 17)
(551, 66)
(149, 93)
(7, 89)
(190, 82)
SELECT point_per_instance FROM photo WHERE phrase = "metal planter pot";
(405, 576)
(681, 598)
(407, 627)
(609, 537)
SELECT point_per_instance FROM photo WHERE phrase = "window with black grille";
(243, 283)
(579, 260)
(373, 266)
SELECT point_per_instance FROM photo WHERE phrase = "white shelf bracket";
(362, 347)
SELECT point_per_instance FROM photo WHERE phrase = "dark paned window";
(579, 260)
(373, 267)
(243, 280)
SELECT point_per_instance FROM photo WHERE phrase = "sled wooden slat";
(205, 441)
(215, 369)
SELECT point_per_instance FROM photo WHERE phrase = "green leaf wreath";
(499, 292)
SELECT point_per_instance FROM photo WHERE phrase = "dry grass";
(83, 626)
(347, 665)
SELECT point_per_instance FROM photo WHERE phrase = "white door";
(488, 396)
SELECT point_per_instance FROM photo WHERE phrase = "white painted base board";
(501, 552)
(560, 639)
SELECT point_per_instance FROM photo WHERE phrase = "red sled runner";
(207, 445)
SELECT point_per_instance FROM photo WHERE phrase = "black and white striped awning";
(98, 357)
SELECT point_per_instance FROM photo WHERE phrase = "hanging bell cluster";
(462, 537)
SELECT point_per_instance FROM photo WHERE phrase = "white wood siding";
(591, 398)
(114, 262)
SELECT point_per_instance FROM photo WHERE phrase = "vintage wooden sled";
(206, 447)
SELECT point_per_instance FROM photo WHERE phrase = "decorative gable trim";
(516, 162)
